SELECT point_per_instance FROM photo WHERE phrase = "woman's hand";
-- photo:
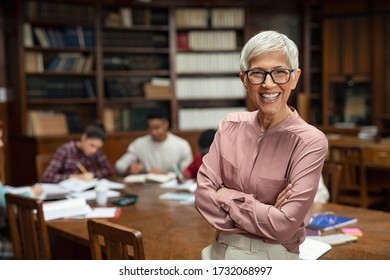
(285, 194)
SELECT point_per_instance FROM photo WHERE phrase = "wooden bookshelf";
(92, 60)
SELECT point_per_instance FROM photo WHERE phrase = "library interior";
(66, 64)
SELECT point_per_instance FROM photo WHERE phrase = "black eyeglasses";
(278, 76)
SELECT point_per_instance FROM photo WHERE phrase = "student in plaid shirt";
(86, 153)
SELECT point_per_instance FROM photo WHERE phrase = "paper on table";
(91, 194)
(111, 184)
(78, 185)
(183, 198)
(189, 185)
(53, 191)
(142, 178)
(312, 249)
(104, 212)
(65, 208)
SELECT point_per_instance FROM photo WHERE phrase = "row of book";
(58, 12)
(58, 37)
(215, 18)
(59, 62)
(129, 17)
(136, 61)
(124, 86)
(135, 38)
(60, 87)
(207, 40)
(204, 88)
(208, 62)
(123, 119)
(204, 118)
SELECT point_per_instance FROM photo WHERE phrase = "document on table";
(183, 198)
(91, 194)
(150, 177)
(189, 185)
(104, 212)
(312, 249)
(78, 185)
(65, 208)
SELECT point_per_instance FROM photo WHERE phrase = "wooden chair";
(41, 162)
(117, 240)
(28, 229)
(354, 189)
(331, 173)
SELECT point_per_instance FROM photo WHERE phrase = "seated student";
(204, 142)
(156, 152)
(70, 158)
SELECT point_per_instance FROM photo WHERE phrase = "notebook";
(329, 221)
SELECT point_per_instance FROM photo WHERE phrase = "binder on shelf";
(47, 123)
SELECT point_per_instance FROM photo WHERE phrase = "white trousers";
(238, 247)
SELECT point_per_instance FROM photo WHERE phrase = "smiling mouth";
(270, 96)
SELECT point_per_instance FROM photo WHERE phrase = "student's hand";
(136, 168)
(37, 190)
(285, 194)
(83, 176)
(155, 171)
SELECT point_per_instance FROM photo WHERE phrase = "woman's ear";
(243, 80)
(295, 76)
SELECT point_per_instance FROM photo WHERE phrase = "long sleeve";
(123, 163)
(103, 169)
(52, 173)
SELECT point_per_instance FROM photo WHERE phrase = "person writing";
(204, 142)
(81, 159)
(257, 183)
(158, 151)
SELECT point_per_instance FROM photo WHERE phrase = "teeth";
(270, 95)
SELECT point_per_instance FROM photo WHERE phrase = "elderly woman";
(257, 184)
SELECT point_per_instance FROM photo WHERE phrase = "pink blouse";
(255, 167)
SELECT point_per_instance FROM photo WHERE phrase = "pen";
(81, 167)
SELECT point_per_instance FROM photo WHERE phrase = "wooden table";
(178, 232)
(170, 230)
(375, 242)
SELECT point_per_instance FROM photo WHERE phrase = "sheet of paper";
(189, 185)
(111, 184)
(183, 198)
(103, 212)
(312, 249)
(65, 208)
(91, 194)
(78, 185)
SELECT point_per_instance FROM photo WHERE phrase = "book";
(329, 221)
(150, 177)
(65, 208)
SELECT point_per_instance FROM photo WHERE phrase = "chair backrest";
(119, 242)
(28, 228)
(331, 173)
(41, 162)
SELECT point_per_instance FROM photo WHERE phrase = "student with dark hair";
(71, 158)
(156, 152)
(204, 143)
